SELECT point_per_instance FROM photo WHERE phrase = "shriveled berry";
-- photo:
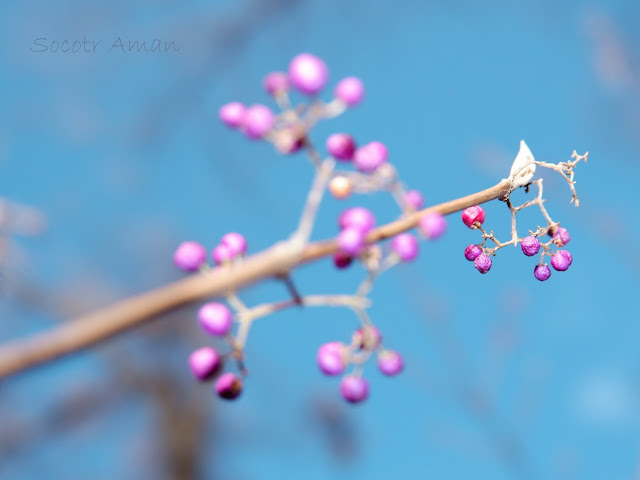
(472, 215)
(205, 362)
(542, 272)
(530, 245)
(342, 260)
(215, 318)
(482, 263)
(405, 246)
(367, 337)
(414, 200)
(561, 260)
(308, 73)
(351, 240)
(432, 225)
(332, 358)
(370, 157)
(233, 114)
(276, 83)
(341, 146)
(350, 90)
(189, 256)
(354, 388)
(390, 362)
(357, 217)
(228, 386)
(472, 252)
(561, 237)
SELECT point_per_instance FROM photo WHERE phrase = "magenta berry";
(358, 217)
(432, 225)
(233, 114)
(561, 260)
(276, 83)
(367, 337)
(350, 90)
(258, 121)
(308, 73)
(482, 263)
(370, 156)
(390, 362)
(472, 215)
(215, 318)
(205, 362)
(561, 237)
(472, 252)
(342, 260)
(530, 245)
(189, 256)
(341, 146)
(332, 358)
(413, 199)
(351, 240)
(228, 386)
(354, 388)
(221, 253)
(235, 242)
(542, 272)
(405, 246)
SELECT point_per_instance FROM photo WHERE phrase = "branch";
(84, 331)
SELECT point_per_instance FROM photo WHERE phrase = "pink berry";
(342, 260)
(205, 362)
(358, 217)
(542, 272)
(228, 386)
(473, 214)
(233, 114)
(189, 256)
(351, 240)
(354, 388)
(432, 225)
(276, 83)
(561, 260)
(258, 121)
(235, 242)
(482, 263)
(390, 362)
(405, 246)
(215, 318)
(370, 156)
(472, 252)
(221, 253)
(561, 237)
(413, 199)
(332, 358)
(367, 338)
(308, 73)
(341, 146)
(530, 245)
(350, 90)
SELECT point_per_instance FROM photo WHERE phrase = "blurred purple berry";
(233, 114)
(351, 240)
(332, 358)
(473, 214)
(341, 146)
(405, 246)
(189, 256)
(542, 272)
(390, 362)
(414, 199)
(258, 121)
(215, 318)
(358, 217)
(530, 245)
(561, 260)
(228, 386)
(354, 389)
(221, 253)
(370, 156)
(432, 225)
(308, 73)
(561, 237)
(482, 263)
(367, 338)
(342, 260)
(235, 242)
(472, 252)
(350, 90)
(205, 362)
(276, 83)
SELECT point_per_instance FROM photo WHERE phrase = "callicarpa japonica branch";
(344, 168)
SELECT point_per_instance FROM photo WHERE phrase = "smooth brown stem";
(82, 332)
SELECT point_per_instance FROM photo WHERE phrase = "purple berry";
(332, 358)
(367, 338)
(354, 389)
(205, 362)
(215, 318)
(530, 245)
(350, 90)
(342, 260)
(308, 73)
(413, 199)
(561, 260)
(235, 242)
(482, 263)
(276, 83)
(405, 246)
(370, 156)
(351, 240)
(561, 237)
(233, 114)
(228, 386)
(390, 362)
(432, 225)
(341, 146)
(542, 272)
(258, 121)
(472, 252)
(189, 256)
(473, 214)
(221, 253)
(357, 217)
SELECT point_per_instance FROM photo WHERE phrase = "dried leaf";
(523, 167)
